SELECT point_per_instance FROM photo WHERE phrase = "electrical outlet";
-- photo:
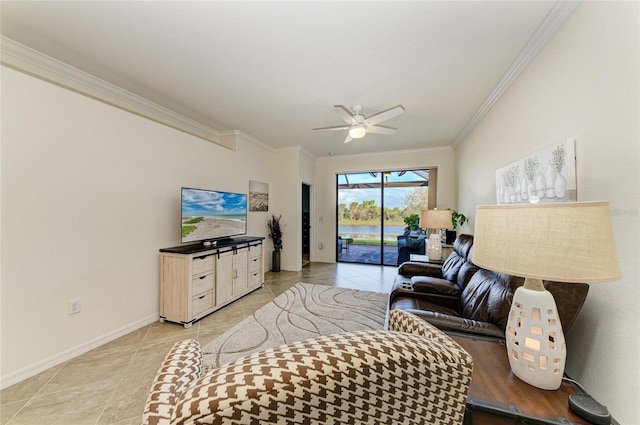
(74, 306)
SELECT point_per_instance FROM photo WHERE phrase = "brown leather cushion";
(445, 318)
(462, 245)
(487, 298)
(411, 268)
(434, 285)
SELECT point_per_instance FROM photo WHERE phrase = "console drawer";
(201, 303)
(255, 278)
(255, 264)
(202, 282)
(202, 264)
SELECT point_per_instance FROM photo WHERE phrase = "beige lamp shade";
(435, 219)
(564, 242)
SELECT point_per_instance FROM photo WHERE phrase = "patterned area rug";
(303, 311)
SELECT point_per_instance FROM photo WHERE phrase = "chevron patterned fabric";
(410, 375)
(181, 367)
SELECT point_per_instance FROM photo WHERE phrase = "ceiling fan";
(359, 125)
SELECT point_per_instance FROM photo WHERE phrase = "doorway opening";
(371, 211)
(306, 224)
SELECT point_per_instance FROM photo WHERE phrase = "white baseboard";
(41, 366)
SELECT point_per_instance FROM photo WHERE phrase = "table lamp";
(563, 242)
(436, 220)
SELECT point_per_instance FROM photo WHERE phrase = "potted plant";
(457, 219)
(412, 224)
(275, 233)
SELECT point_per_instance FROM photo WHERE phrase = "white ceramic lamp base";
(434, 247)
(535, 341)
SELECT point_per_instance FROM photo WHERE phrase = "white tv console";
(196, 280)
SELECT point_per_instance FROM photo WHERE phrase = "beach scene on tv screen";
(210, 214)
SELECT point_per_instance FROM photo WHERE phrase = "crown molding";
(387, 153)
(39, 65)
(554, 20)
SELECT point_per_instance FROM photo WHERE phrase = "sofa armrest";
(405, 321)
(181, 367)
(455, 324)
(406, 288)
(354, 377)
(414, 268)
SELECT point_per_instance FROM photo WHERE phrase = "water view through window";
(371, 212)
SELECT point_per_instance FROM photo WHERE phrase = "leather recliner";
(478, 301)
(446, 280)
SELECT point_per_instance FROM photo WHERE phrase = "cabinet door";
(224, 277)
(241, 262)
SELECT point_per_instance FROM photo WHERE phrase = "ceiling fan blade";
(380, 129)
(348, 139)
(345, 114)
(335, 127)
(384, 115)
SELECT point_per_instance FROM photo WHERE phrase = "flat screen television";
(212, 215)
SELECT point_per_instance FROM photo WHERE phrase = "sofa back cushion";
(416, 244)
(487, 298)
(462, 245)
(457, 258)
(466, 272)
(451, 266)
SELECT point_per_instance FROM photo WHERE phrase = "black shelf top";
(199, 247)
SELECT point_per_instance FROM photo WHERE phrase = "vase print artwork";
(557, 160)
(560, 186)
(549, 181)
(540, 186)
(548, 175)
(524, 188)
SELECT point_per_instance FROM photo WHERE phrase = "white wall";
(288, 203)
(584, 84)
(324, 221)
(89, 195)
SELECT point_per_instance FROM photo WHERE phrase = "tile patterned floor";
(109, 385)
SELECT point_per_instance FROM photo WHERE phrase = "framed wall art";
(548, 175)
(258, 196)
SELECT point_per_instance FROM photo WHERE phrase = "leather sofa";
(411, 374)
(459, 296)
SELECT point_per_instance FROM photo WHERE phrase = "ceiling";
(274, 70)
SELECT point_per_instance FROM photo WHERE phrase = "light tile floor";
(109, 385)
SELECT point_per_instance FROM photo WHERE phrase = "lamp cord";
(576, 383)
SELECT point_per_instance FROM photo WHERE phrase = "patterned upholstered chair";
(412, 374)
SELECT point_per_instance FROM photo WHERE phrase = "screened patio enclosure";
(371, 208)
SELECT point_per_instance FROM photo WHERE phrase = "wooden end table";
(498, 397)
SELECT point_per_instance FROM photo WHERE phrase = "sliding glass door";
(359, 218)
(371, 212)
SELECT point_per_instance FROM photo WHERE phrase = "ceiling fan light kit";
(359, 125)
(357, 131)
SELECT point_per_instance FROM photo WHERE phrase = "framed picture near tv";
(258, 196)
(212, 214)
